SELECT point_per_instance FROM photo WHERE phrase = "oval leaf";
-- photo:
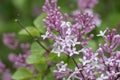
(36, 48)
(32, 30)
(22, 73)
(38, 22)
(35, 59)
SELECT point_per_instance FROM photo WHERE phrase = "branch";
(35, 39)
(78, 67)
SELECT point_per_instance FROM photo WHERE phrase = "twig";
(35, 39)
(77, 67)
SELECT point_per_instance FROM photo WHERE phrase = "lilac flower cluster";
(104, 64)
(52, 21)
(20, 60)
(65, 34)
(62, 71)
(86, 6)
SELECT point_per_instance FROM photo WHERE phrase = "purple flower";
(112, 40)
(70, 39)
(68, 35)
(10, 41)
(20, 60)
(62, 71)
(110, 62)
(54, 16)
(96, 17)
(85, 22)
(86, 6)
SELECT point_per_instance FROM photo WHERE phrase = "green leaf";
(71, 64)
(37, 55)
(41, 67)
(38, 77)
(35, 59)
(36, 48)
(31, 29)
(49, 76)
(38, 22)
(22, 73)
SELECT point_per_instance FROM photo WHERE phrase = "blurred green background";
(28, 10)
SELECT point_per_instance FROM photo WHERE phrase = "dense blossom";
(62, 71)
(85, 22)
(17, 60)
(111, 63)
(20, 60)
(103, 64)
(54, 16)
(65, 34)
(112, 40)
(86, 6)
(95, 66)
